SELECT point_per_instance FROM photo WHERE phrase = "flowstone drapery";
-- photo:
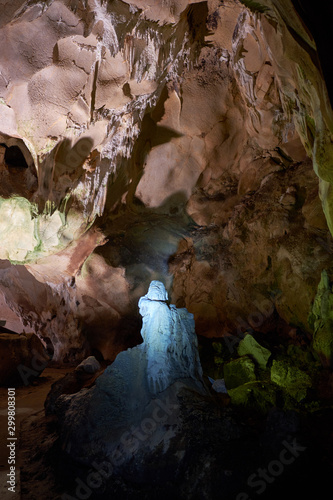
(139, 381)
(169, 352)
(170, 342)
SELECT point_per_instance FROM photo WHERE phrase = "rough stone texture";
(169, 340)
(89, 365)
(256, 397)
(190, 143)
(294, 380)
(179, 141)
(239, 371)
(321, 319)
(249, 346)
(144, 443)
(224, 464)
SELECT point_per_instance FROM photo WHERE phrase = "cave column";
(2, 159)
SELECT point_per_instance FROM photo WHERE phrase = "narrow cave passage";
(166, 256)
(17, 170)
(14, 157)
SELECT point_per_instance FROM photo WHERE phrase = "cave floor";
(29, 400)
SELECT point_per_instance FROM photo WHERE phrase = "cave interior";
(166, 272)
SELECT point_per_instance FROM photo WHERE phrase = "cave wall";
(188, 142)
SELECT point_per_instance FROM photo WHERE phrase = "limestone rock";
(294, 380)
(71, 383)
(169, 340)
(238, 372)
(89, 365)
(321, 318)
(17, 230)
(249, 346)
(187, 142)
(190, 138)
(141, 383)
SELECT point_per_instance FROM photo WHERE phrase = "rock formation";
(149, 426)
(22, 358)
(169, 340)
(141, 388)
(187, 142)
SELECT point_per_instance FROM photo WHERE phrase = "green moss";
(311, 130)
(218, 357)
(321, 320)
(302, 357)
(249, 346)
(239, 371)
(255, 6)
(218, 360)
(16, 229)
(256, 396)
(27, 235)
(291, 378)
(218, 347)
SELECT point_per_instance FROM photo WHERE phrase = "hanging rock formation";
(188, 142)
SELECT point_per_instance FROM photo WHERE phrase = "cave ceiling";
(188, 142)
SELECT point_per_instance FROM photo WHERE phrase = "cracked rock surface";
(188, 142)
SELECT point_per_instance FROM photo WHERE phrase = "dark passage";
(14, 157)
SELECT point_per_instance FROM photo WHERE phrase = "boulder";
(89, 365)
(219, 386)
(249, 346)
(291, 378)
(257, 396)
(71, 383)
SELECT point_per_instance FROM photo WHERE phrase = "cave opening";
(197, 178)
(318, 18)
(14, 157)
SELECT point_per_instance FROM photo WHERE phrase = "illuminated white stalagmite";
(169, 353)
(169, 338)
(143, 386)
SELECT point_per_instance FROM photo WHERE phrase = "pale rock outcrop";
(188, 138)
(89, 365)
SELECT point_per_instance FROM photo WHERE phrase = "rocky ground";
(187, 142)
(194, 150)
(269, 436)
(225, 450)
